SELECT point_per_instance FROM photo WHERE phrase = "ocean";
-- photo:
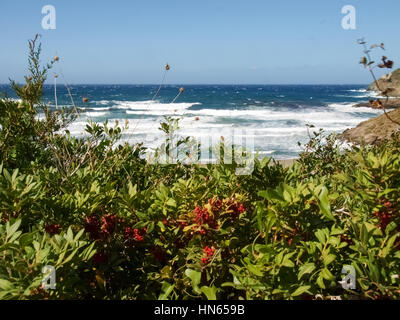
(275, 116)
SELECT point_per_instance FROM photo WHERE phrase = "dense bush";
(117, 227)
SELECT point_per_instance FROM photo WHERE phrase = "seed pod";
(181, 89)
(85, 99)
(56, 58)
(167, 67)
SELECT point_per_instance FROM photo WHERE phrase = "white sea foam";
(151, 105)
(349, 108)
(95, 114)
(364, 94)
(357, 90)
(274, 130)
(102, 102)
(101, 108)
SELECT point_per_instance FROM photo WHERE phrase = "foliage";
(118, 227)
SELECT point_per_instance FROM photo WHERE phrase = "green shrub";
(115, 226)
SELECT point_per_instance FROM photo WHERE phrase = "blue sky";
(208, 41)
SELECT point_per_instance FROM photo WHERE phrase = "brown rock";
(373, 131)
(388, 81)
(392, 103)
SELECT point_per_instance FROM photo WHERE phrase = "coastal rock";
(373, 131)
(391, 80)
(392, 103)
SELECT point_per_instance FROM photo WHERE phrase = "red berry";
(209, 251)
(52, 228)
(388, 204)
(109, 224)
(93, 226)
(139, 234)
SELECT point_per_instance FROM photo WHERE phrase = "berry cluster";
(235, 209)
(215, 208)
(384, 219)
(208, 253)
(100, 229)
(135, 234)
(52, 228)
(215, 205)
(109, 223)
(202, 216)
(385, 215)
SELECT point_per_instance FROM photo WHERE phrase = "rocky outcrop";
(388, 81)
(392, 103)
(373, 131)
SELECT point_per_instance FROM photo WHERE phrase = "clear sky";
(207, 41)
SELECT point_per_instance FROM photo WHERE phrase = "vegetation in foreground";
(117, 227)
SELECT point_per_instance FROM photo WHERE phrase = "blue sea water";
(275, 116)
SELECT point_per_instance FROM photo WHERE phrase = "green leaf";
(328, 258)
(166, 290)
(150, 227)
(13, 228)
(320, 282)
(210, 292)
(389, 245)
(324, 204)
(14, 176)
(300, 290)
(364, 235)
(70, 235)
(5, 285)
(255, 269)
(79, 234)
(132, 190)
(26, 239)
(305, 269)
(287, 262)
(279, 258)
(171, 202)
(321, 235)
(69, 258)
(195, 277)
(326, 274)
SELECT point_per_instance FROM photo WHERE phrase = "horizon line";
(206, 84)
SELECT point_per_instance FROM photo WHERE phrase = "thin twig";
(366, 51)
